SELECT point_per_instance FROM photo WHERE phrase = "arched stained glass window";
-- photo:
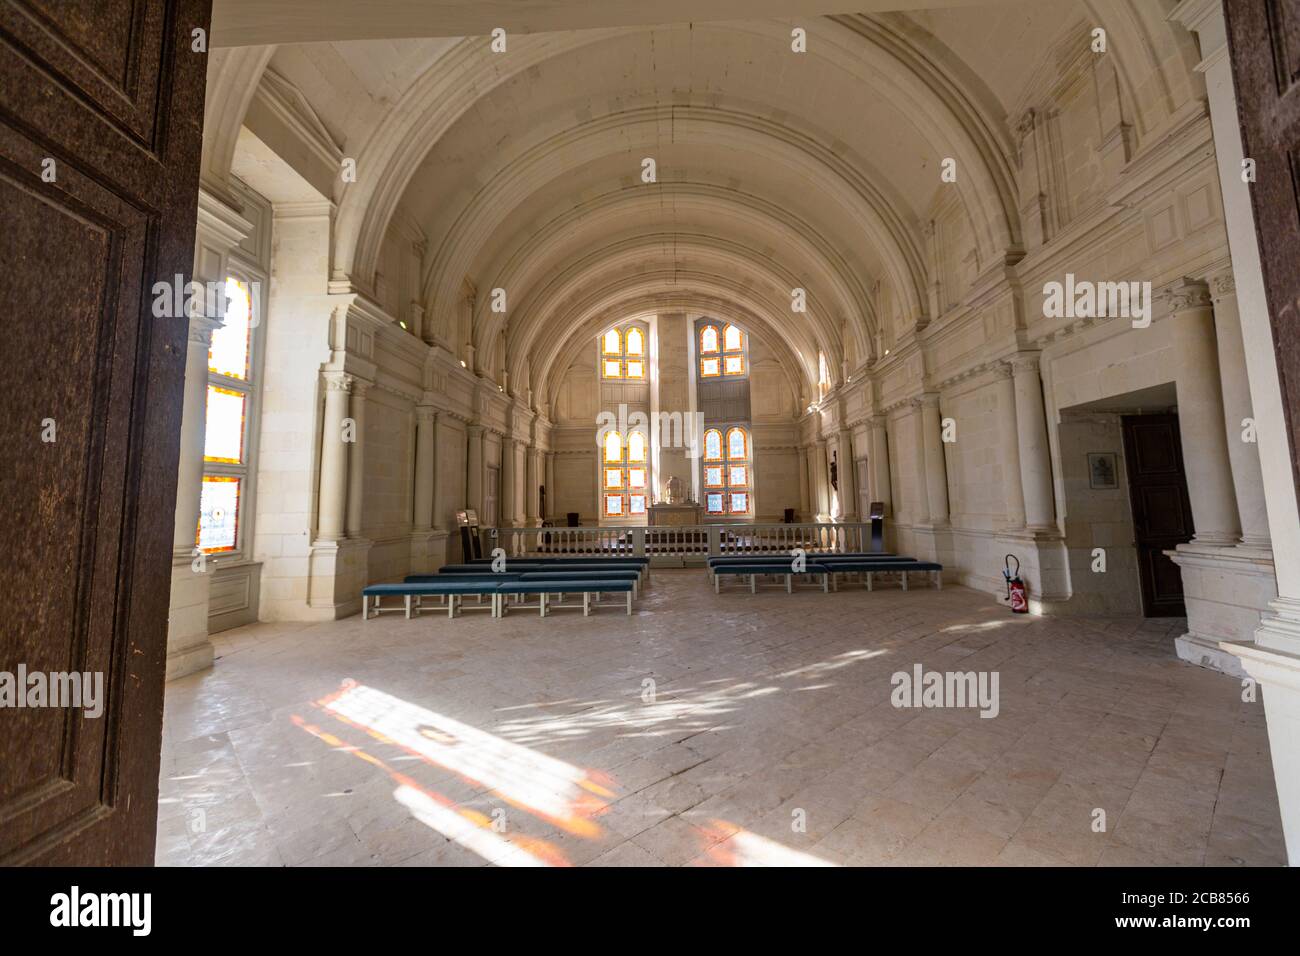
(713, 445)
(722, 354)
(728, 485)
(625, 477)
(623, 356)
(708, 340)
(636, 446)
(737, 444)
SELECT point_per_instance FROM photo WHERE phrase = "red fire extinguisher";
(1016, 595)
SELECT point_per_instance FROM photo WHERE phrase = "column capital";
(202, 327)
(474, 431)
(878, 421)
(927, 400)
(337, 381)
(1003, 370)
(1223, 284)
(426, 414)
(1024, 362)
(1186, 295)
(360, 386)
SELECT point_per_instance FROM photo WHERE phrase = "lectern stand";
(877, 526)
(471, 544)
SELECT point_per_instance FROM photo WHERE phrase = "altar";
(664, 515)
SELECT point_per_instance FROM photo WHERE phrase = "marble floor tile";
(712, 730)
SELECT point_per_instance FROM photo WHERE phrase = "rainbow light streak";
(730, 845)
(551, 789)
(469, 828)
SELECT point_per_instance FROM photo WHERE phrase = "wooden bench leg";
(938, 580)
(788, 586)
(629, 603)
(904, 580)
(753, 588)
(825, 585)
(451, 606)
(715, 584)
(408, 606)
(586, 604)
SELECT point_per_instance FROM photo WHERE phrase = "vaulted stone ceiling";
(523, 170)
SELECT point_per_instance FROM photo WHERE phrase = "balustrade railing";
(686, 540)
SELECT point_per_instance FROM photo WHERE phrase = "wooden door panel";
(113, 95)
(1162, 512)
(1264, 46)
(107, 54)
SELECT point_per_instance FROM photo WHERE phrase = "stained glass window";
(708, 339)
(223, 439)
(613, 446)
(624, 476)
(713, 504)
(229, 352)
(712, 445)
(226, 419)
(733, 340)
(218, 514)
(737, 444)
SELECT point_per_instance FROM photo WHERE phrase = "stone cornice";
(288, 104)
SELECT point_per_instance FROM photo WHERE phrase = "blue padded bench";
(576, 562)
(407, 590)
(776, 568)
(524, 566)
(602, 575)
(543, 589)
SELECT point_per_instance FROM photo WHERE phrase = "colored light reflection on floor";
(563, 795)
(465, 826)
(737, 846)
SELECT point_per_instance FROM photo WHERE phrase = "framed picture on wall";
(1103, 470)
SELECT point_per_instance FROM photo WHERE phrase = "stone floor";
(713, 730)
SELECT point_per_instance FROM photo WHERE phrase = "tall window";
(728, 479)
(225, 447)
(623, 354)
(625, 475)
(721, 353)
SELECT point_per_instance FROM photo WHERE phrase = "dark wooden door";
(1162, 512)
(101, 113)
(1264, 44)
